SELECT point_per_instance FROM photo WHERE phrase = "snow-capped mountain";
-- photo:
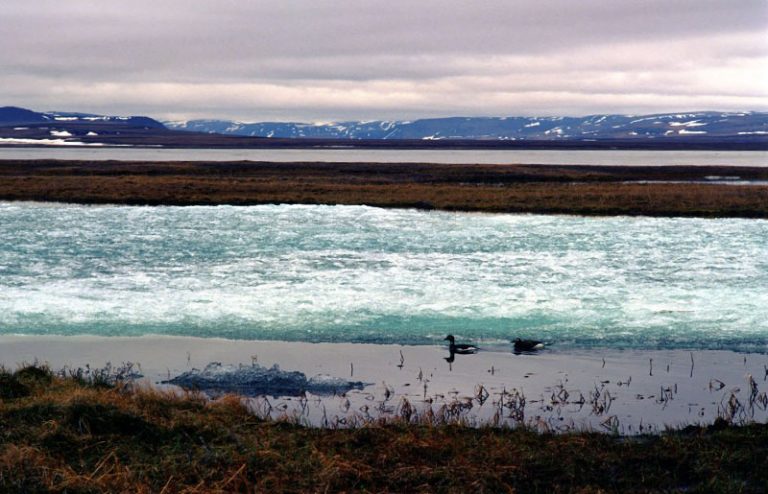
(14, 116)
(22, 127)
(721, 130)
(711, 124)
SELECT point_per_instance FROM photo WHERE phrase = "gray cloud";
(340, 59)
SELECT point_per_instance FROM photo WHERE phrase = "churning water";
(362, 274)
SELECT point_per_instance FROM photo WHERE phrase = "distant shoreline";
(688, 191)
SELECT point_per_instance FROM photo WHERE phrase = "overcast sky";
(330, 60)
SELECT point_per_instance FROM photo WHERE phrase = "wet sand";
(556, 390)
(549, 189)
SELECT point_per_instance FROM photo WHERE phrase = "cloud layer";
(351, 59)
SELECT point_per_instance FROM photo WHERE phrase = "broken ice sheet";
(255, 380)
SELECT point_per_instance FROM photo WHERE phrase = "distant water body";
(362, 274)
(517, 156)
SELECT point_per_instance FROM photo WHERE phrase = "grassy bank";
(79, 433)
(583, 190)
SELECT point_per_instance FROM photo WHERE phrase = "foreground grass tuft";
(66, 434)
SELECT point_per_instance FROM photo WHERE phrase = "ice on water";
(255, 380)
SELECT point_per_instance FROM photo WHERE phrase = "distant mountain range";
(709, 124)
(11, 115)
(698, 130)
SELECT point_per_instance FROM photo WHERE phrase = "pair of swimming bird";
(519, 345)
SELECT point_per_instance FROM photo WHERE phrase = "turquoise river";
(362, 274)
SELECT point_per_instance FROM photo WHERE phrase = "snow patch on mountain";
(46, 142)
(692, 123)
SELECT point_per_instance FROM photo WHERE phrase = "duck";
(461, 348)
(527, 346)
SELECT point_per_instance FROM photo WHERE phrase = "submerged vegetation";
(76, 431)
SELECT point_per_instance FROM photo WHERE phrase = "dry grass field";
(583, 190)
(64, 432)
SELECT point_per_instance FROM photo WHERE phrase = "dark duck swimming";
(527, 346)
(461, 348)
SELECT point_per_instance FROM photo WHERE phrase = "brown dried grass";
(71, 436)
(560, 190)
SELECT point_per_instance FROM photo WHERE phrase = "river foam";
(361, 274)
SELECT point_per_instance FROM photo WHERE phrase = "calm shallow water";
(361, 274)
(544, 157)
